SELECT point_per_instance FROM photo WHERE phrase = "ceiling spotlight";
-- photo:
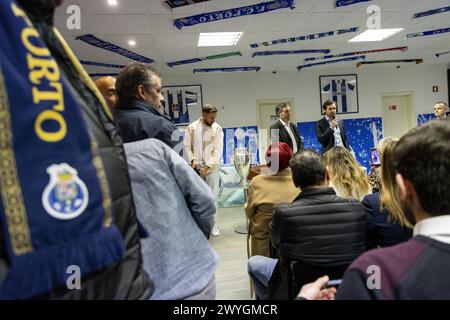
(132, 43)
(112, 2)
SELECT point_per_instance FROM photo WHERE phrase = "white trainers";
(215, 231)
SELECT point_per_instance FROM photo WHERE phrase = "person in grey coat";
(176, 207)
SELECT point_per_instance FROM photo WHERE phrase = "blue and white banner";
(101, 64)
(441, 54)
(234, 69)
(427, 33)
(182, 3)
(355, 53)
(417, 61)
(431, 12)
(96, 42)
(344, 3)
(330, 62)
(105, 74)
(286, 52)
(195, 60)
(233, 13)
(303, 38)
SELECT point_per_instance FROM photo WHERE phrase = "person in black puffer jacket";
(126, 278)
(319, 229)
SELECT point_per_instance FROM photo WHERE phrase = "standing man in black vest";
(331, 132)
(287, 131)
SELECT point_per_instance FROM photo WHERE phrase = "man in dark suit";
(331, 132)
(287, 131)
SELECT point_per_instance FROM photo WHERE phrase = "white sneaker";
(215, 231)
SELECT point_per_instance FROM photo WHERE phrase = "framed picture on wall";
(343, 89)
(183, 104)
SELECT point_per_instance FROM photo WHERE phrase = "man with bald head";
(107, 87)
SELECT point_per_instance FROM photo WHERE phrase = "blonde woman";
(386, 223)
(347, 178)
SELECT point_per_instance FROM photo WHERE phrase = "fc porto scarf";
(55, 202)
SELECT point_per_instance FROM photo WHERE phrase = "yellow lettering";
(50, 115)
(45, 68)
(57, 95)
(25, 36)
(19, 13)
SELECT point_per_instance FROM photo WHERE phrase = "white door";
(396, 115)
(266, 117)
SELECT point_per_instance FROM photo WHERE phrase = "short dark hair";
(133, 75)
(280, 107)
(308, 168)
(327, 103)
(422, 157)
(209, 108)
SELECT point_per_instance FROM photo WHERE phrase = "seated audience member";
(138, 113)
(265, 192)
(347, 178)
(318, 228)
(375, 171)
(177, 208)
(386, 224)
(107, 87)
(418, 268)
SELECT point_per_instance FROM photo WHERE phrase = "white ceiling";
(150, 24)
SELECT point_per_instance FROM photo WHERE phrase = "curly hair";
(346, 174)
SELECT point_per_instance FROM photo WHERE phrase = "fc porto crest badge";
(66, 196)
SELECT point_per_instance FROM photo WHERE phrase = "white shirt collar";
(284, 123)
(437, 228)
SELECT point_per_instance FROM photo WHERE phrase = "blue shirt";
(177, 208)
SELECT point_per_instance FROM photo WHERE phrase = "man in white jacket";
(203, 143)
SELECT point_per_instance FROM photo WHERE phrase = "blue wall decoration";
(431, 12)
(427, 33)
(240, 137)
(99, 43)
(232, 69)
(195, 60)
(344, 3)
(101, 64)
(355, 53)
(103, 74)
(286, 52)
(342, 89)
(183, 104)
(315, 64)
(233, 13)
(304, 37)
(363, 134)
(182, 3)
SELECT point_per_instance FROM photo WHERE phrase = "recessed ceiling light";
(375, 35)
(132, 43)
(112, 2)
(219, 39)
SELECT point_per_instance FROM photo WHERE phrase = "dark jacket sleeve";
(275, 228)
(165, 131)
(354, 287)
(198, 195)
(344, 135)
(323, 135)
(371, 242)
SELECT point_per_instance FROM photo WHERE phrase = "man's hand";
(314, 291)
(334, 124)
(203, 171)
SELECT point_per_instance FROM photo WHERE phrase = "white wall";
(236, 94)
